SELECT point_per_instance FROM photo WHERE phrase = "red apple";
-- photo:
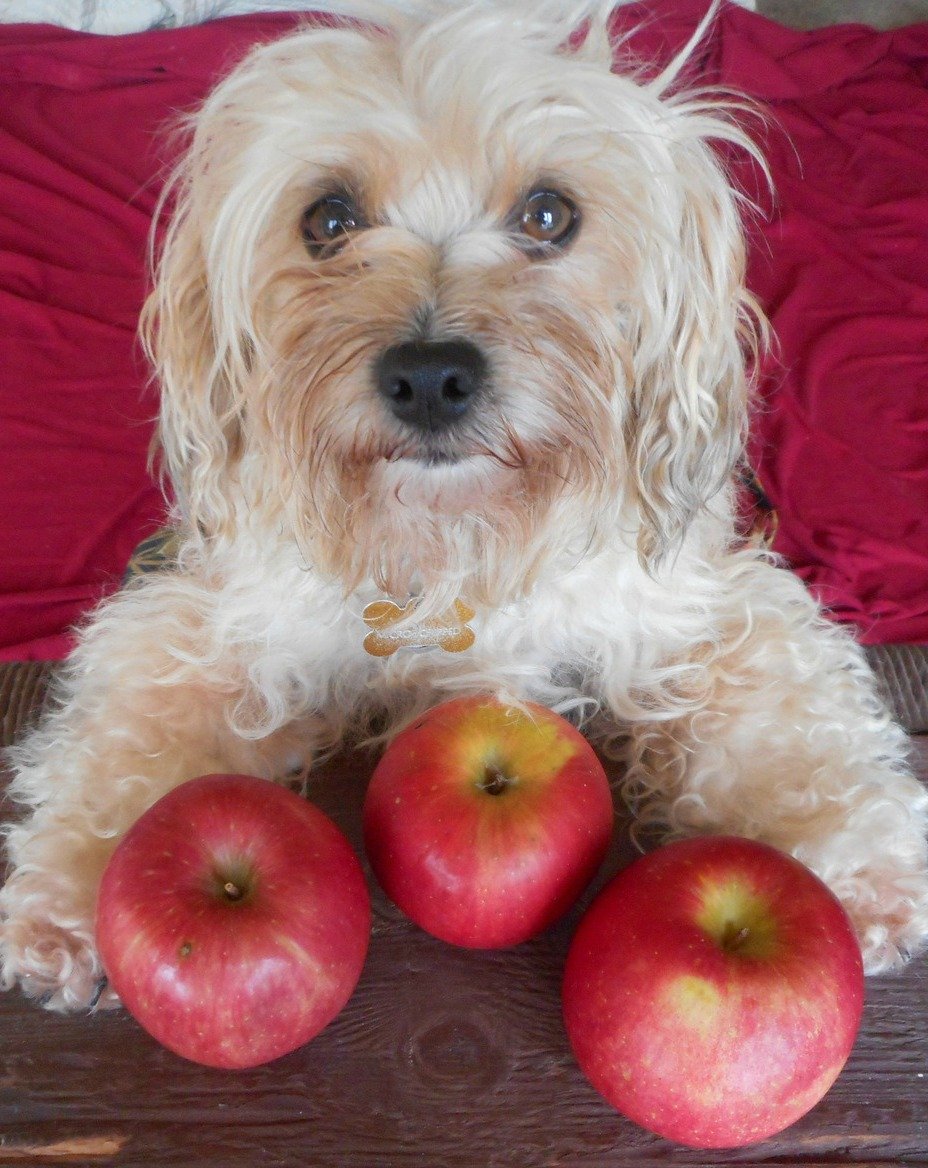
(713, 991)
(484, 822)
(233, 920)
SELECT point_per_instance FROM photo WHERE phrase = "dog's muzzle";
(431, 385)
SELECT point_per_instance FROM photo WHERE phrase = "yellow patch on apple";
(510, 741)
(696, 1003)
(737, 917)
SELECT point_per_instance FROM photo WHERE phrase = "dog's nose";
(431, 384)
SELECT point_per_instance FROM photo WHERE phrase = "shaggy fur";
(582, 509)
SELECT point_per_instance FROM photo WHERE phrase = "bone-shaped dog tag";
(448, 630)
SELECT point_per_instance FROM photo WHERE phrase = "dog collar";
(447, 630)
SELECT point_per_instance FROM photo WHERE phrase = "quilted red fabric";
(841, 265)
(82, 151)
(841, 443)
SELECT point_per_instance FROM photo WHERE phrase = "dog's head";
(449, 301)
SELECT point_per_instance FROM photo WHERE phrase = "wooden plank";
(80, 1150)
(23, 685)
(444, 1058)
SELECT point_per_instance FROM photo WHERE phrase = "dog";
(455, 355)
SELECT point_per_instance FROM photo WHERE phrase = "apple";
(713, 991)
(484, 821)
(233, 920)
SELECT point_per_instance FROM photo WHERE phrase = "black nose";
(431, 384)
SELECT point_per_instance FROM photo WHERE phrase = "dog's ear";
(200, 434)
(698, 330)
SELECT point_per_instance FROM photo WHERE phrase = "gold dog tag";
(448, 630)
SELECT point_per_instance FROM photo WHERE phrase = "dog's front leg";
(148, 701)
(785, 740)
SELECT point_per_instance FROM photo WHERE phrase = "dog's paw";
(55, 963)
(889, 910)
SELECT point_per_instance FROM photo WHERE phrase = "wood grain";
(444, 1058)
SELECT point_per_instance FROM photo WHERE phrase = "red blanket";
(841, 443)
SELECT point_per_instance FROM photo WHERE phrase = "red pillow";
(841, 441)
(841, 444)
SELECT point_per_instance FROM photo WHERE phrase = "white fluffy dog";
(450, 326)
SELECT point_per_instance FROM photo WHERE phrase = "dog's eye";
(330, 220)
(547, 217)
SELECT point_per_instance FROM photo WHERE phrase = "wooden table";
(443, 1058)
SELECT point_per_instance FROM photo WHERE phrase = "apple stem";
(734, 937)
(232, 890)
(494, 780)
